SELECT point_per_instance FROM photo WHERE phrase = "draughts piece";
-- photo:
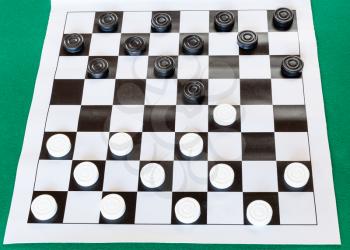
(259, 213)
(134, 45)
(192, 45)
(86, 174)
(108, 22)
(98, 68)
(44, 207)
(191, 144)
(292, 66)
(194, 92)
(164, 66)
(58, 145)
(73, 43)
(296, 175)
(152, 175)
(247, 40)
(283, 18)
(112, 206)
(161, 22)
(224, 21)
(187, 210)
(121, 144)
(221, 176)
(224, 114)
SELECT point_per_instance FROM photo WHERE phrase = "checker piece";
(221, 176)
(164, 67)
(108, 22)
(283, 18)
(224, 21)
(152, 175)
(161, 22)
(58, 145)
(44, 207)
(192, 45)
(134, 45)
(194, 92)
(292, 67)
(187, 210)
(121, 144)
(97, 68)
(259, 213)
(224, 114)
(73, 43)
(191, 144)
(247, 40)
(112, 206)
(86, 174)
(296, 175)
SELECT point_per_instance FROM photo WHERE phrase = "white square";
(190, 176)
(62, 118)
(255, 20)
(157, 146)
(193, 67)
(104, 44)
(254, 67)
(303, 213)
(127, 118)
(164, 44)
(259, 176)
(98, 92)
(121, 176)
(257, 118)
(79, 22)
(225, 208)
(224, 146)
(287, 91)
(147, 212)
(283, 43)
(137, 22)
(82, 207)
(292, 146)
(161, 92)
(91, 146)
(71, 67)
(53, 175)
(132, 67)
(194, 21)
(191, 118)
(224, 91)
(223, 43)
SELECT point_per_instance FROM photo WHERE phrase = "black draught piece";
(73, 43)
(224, 21)
(161, 22)
(194, 92)
(108, 22)
(97, 68)
(292, 67)
(283, 18)
(134, 45)
(164, 67)
(192, 45)
(247, 40)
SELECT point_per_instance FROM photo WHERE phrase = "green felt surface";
(22, 31)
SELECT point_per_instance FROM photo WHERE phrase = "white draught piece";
(187, 210)
(86, 174)
(44, 207)
(152, 175)
(191, 144)
(259, 213)
(58, 145)
(296, 175)
(112, 206)
(221, 176)
(224, 114)
(121, 144)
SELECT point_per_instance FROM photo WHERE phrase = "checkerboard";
(270, 132)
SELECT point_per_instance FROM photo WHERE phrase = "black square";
(223, 67)
(201, 157)
(96, 28)
(60, 198)
(74, 186)
(271, 198)
(262, 47)
(159, 118)
(272, 28)
(256, 92)
(258, 146)
(83, 52)
(44, 154)
(276, 62)
(68, 92)
(212, 15)
(201, 197)
(112, 66)
(94, 118)
(180, 91)
(234, 127)
(150, 70)
(122, 51)
(290, 118)
(237, 182)
(129, 92)
(168, 182)
(175, 20)
(129, 215)
(133, 155)
(284, 187)
(204, 37)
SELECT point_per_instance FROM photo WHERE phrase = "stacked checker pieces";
(187, 208)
